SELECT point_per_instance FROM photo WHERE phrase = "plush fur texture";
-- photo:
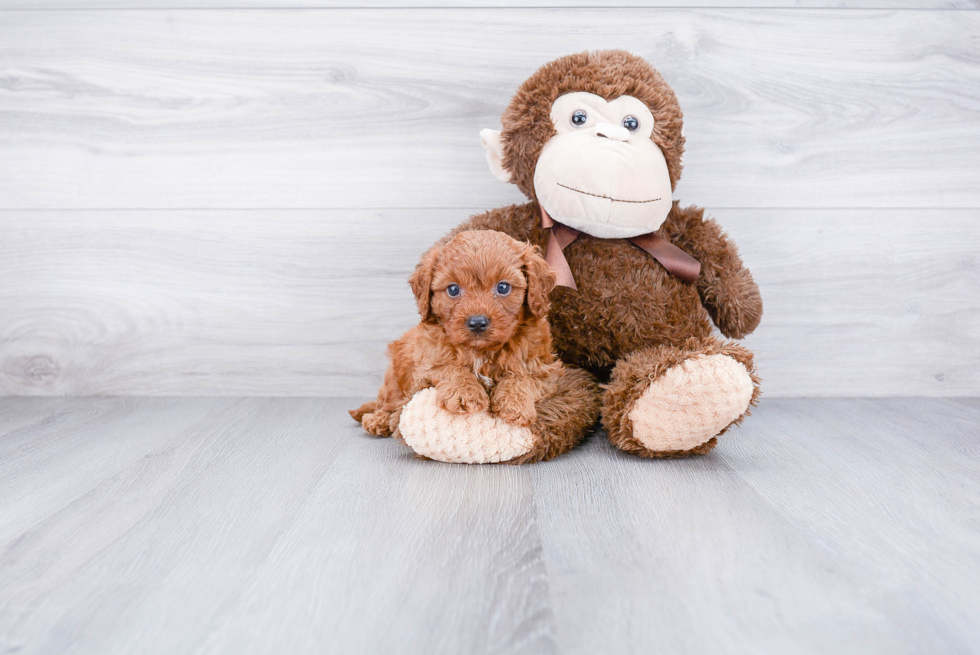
(691, 402)
(563, 417)
(629, 321)
(527, 125)
(626, 300)
(477, 438)
(505, 372)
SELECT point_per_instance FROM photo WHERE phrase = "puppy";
(483, 342)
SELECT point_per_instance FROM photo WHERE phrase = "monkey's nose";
(614, 132)
(478, 324)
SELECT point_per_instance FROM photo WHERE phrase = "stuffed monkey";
(594, 140)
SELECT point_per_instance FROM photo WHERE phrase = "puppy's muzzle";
(478, 324)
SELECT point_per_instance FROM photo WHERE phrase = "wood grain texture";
(275, 525)
(817, 527)
(247, 534)
(381, 108)
(477, 4)
(859, 302)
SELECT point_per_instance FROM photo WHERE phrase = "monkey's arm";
(726, 287)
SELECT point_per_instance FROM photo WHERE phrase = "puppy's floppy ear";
(540, 281)
(421, 283)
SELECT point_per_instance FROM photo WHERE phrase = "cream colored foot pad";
(691, 403)
(460, 438)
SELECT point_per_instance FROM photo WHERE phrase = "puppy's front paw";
(514, 408)
(463, 399)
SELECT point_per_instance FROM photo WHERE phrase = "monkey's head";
(596, 139)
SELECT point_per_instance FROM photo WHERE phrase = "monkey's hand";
(733, 301)
(726, 287)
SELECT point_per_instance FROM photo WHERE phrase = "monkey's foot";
(672, 401)
(683, 410)
(477, 438)
(564, 416)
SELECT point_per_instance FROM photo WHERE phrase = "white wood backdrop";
(229, 201)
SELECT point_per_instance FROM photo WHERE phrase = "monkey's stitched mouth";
(596, 195)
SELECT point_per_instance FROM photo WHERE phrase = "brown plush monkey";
(594, 140)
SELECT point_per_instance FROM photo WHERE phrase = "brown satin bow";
(676, 261)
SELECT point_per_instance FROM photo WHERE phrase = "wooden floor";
(186, 525)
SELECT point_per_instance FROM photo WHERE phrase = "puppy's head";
(481, 286)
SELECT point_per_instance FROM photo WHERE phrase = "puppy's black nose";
(477, 324)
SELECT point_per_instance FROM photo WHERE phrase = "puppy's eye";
(503, 288)
(579, 118)
(452, 290)
(631, 124)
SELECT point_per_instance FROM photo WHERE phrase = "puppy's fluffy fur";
(507, 368)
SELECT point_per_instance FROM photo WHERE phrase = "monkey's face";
(601, 173)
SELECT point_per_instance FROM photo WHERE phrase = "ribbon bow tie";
(676, 261)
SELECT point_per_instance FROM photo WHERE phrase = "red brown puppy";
(483, 342)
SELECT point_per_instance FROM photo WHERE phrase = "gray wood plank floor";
(273, 525)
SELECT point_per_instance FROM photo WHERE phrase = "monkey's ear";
(490, 140)
(421, 283)
(540, 281)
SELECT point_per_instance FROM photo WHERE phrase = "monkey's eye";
(452, 290)
(631, 124)
(579, 118)
(503, 288)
